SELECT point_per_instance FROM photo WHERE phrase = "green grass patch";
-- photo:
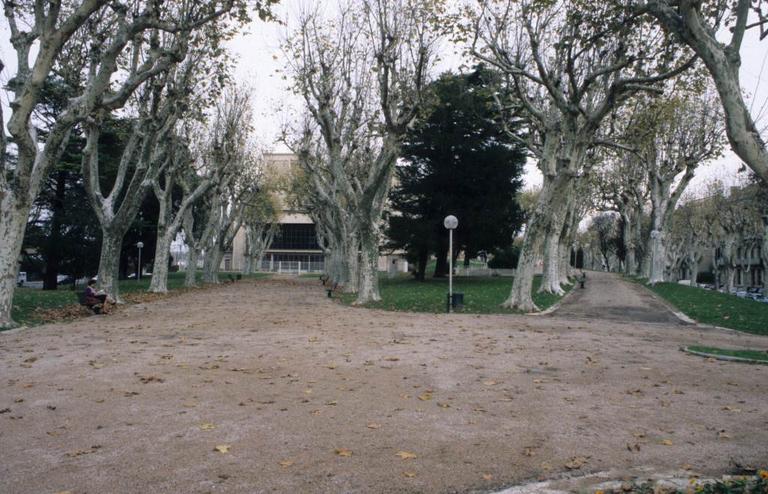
(760, 355)
(481, 295)
(29, 302)
(713, 307)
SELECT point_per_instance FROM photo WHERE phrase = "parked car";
(65, 279)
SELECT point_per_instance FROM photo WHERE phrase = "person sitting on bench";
(94, 298)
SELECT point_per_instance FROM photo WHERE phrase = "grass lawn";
(481, 295)
(748, 354)
(712, 307)
(27, 302)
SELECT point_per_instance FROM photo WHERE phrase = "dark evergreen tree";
(457, 160)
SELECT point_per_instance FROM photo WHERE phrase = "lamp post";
(139, 245)
(450, 223)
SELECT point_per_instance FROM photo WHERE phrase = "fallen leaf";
(374, 425)
(409, 475)
(332, 403)
(666, 442)
(487, 476)
(286, 463)
(490, 383)
(207, 426)
(222, 448)
(443, 405)
(405, 455)
(343, 452)
(576, 462)
(331, 366)
(529, 452)
(426, 396)
(391, 359)
(723, 435)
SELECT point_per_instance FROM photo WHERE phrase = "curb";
(555, 306)
(675, 312)
(725, 358)
(682, 317)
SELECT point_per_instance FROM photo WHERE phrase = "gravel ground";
(306, 395)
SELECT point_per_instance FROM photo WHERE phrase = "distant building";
(295, 248)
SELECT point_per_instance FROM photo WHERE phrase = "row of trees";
(578, 86)
(726, 226)
(154, 72)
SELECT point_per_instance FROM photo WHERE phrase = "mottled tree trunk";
(693, 266)
(159, 283)
(550, 281)
(247, 265)
(368, 289)
(658, 257)
(13, 222)
(520, 297)
(352, 265)
(190, 278)
(211, 263)
(565, 264)
(109, 263)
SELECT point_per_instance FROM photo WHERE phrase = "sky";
(260, 63)
(260, 60)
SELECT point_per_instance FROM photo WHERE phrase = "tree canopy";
(457, 160)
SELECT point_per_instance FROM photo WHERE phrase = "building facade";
(295, 248)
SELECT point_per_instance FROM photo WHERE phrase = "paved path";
(607, 296)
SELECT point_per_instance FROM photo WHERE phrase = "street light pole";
(450, 223)
(139, 245)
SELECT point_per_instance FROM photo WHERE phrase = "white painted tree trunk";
(109, 263)
(368, 289)
(13, 223)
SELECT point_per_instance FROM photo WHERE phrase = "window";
(294, 236)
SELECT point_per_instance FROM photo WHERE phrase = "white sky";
(259, 57)
(259, 60)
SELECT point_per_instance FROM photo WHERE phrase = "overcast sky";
(259, 57)
(259, 61)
